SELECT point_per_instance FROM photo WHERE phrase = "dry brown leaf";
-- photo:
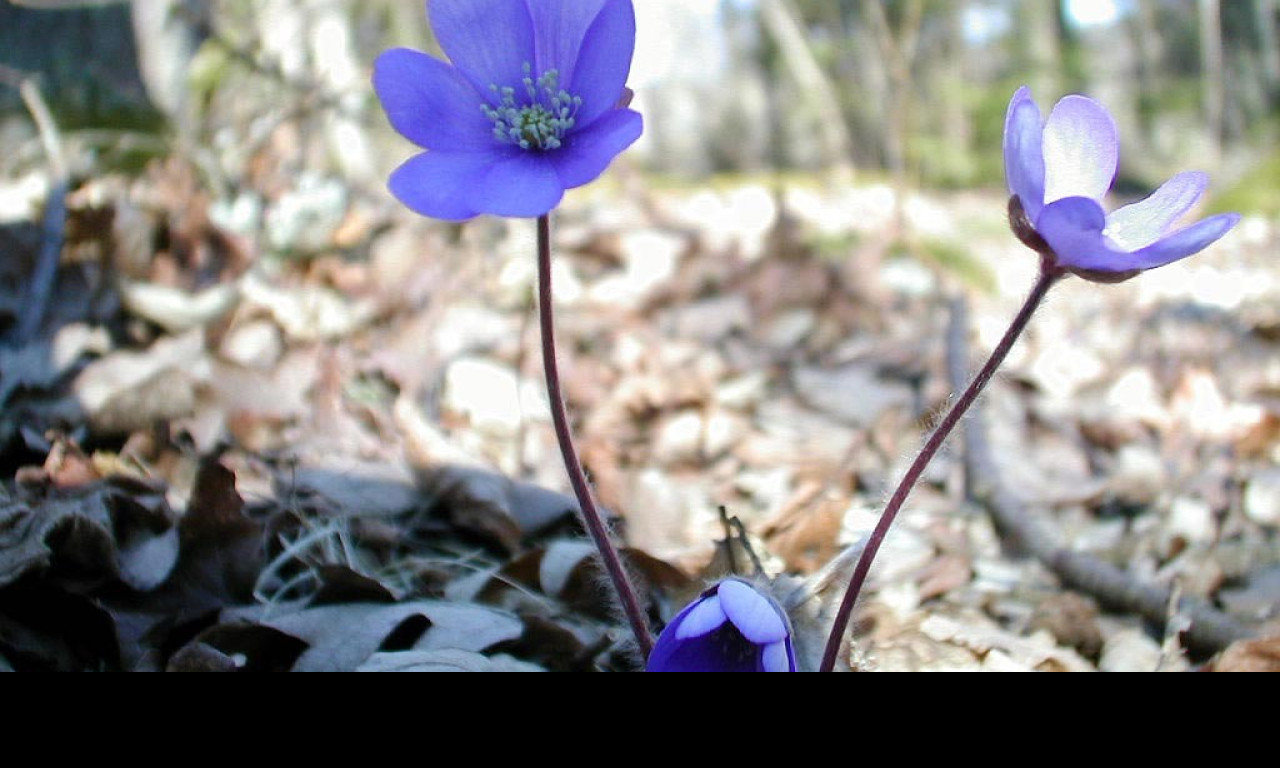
(1072, 619)
(238, 647)
(90, 537)
(943, 574)
(127, 392)
(493, 507)
(357, 488)
(1261, 655)
(222, 550)
(44, 628)
(67, 466)
(805, 533)
(569, 572)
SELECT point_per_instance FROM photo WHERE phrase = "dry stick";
(55, 216)
(1211, 630)
(590, 512)
(1049, 275)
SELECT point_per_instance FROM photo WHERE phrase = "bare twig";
(55, 215)
(1211, 630)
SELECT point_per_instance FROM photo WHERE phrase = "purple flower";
(532, 104)
(1061, 170)
(732, 627)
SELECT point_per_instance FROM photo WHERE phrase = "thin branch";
(1211, 630)
(45, 273)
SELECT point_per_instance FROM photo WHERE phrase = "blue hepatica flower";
(532, 104)
(1060, 171)
(732, 627)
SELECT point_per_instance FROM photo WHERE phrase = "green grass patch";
(1257, 193)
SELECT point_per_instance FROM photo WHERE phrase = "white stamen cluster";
(543, 121)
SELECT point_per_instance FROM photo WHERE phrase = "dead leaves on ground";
(97, 572)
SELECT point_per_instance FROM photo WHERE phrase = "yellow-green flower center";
(540, 122)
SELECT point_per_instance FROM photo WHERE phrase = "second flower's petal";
(1184, 243)
(437, 184)
(1081, 150)
(588, 153)
(604, 61)
(702, 618)
(1073, 228)
(752, 613)
(429, 102)
(489, 40)
(522, 185)
(1024, 152)
(1141, 224)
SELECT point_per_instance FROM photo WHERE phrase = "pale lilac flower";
(1060, 172)
(533, 103)
(732, 627)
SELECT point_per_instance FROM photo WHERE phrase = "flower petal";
(436, 184)
(702, 618)
(1081, 150)
(755, 615)
(603, 64)
(1073, 228)
(490, 41)
(778, 657)
(1184, 243)
(429, 102)
(559, 28)
(1141, 224)
(1024, 152)
(586, 154)
(520, 185)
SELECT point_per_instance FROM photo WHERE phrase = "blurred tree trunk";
(898, 50)
(1213, 70)
(1149, 46)
(168, 33)
(1269, 43)
(1039, 46)
(311, 42)
(1075, 74)
(783, 23)
(952, 80)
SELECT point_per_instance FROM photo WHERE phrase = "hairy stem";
(595, 525)
(1049, 275)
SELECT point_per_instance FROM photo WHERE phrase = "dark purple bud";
(732, 627)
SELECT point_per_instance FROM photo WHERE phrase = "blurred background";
(915, 89)
(202, 275)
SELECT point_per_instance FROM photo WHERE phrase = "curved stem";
(1049, 275)
(559, 416)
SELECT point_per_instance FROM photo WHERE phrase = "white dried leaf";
(177, 310)
(146, 560)
(122, 371)
(343, 637)
(444, 661)
(559, 562)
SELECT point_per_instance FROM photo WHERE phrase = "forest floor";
(301, 429)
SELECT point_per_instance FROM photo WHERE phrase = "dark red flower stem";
(627, 597)
(1050, 274)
